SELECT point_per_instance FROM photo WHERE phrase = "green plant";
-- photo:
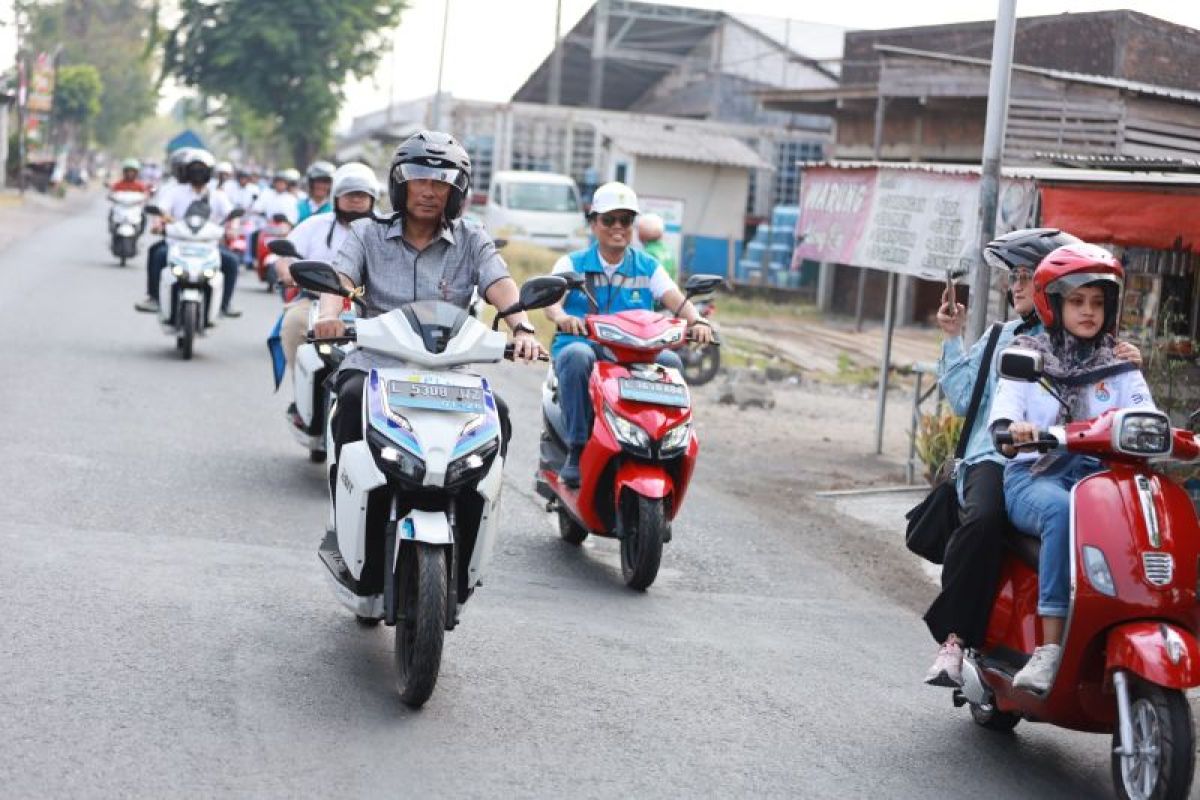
(936, 436)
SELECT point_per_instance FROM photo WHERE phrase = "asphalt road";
(166, 630)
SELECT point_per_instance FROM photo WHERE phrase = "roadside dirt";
(22, 216)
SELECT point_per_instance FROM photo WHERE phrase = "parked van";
(538, 207)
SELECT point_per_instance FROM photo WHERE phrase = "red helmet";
(1065, 270)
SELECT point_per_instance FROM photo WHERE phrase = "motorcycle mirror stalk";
(697, 285)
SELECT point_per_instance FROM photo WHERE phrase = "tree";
(114, 37)
(77, 90)
(285, 59)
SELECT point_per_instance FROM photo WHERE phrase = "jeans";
(974, 554)
(1040, 505)
(573, 366)
(156, 261)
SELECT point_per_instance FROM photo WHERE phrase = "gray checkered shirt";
(393, 272)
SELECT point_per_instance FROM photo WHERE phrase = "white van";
(538, 207)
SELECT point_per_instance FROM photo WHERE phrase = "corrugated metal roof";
(1063, 75)
(682, 144)
(1142, 163)
(1050, 174)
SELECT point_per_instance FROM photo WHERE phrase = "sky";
(493, 45)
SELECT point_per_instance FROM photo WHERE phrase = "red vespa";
(639, 459)
(1130, 648)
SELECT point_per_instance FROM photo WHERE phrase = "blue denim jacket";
(956, 375)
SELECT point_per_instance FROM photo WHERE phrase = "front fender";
(430, 527)
(1160, 652)
(648, 480)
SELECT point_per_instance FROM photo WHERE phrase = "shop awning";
(1162, 219)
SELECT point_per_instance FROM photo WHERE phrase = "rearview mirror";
(237, 212)
(574, 279)
(500, 244)
(542, 291)
(150, 208)
(1020, 364)
(702, 284)
(317, 276)
(283, 247)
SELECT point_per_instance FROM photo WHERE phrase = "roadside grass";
(526, 261)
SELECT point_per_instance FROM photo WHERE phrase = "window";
(524, 196)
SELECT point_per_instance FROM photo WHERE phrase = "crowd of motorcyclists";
(1064, 294)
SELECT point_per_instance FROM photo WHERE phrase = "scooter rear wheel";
(570, 530)
(643, 522)
(1164, 743)
(992, 719)
(422, 623)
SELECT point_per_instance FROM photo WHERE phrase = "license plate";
(657, 392)
(432, 393)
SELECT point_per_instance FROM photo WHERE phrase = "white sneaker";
(947, 667)
(1038, 674)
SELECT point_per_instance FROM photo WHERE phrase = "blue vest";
(629, 288)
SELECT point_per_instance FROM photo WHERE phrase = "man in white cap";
(621, 279)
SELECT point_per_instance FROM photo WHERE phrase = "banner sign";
(41, 85)
(671, 210)
(899, 220)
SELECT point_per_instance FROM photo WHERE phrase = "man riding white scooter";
(621, 279)
(424, 251)
(320, 237)
(174, 202)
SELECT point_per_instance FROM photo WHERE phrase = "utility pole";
(993, 152)
(22, 94)
(599, 45)
(554, 97)
(435, 112)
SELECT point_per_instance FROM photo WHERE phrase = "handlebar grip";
(349, 337)
(508, 353)
(1002, 438)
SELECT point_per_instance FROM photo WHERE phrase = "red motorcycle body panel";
(1160, 652)
(648, 480)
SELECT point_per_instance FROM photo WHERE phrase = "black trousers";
(348, 422)
(971, 568)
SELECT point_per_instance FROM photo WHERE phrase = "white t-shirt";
(178, 198)
(270, 203)
(319, 237)
(1019, 401)
(660, 281)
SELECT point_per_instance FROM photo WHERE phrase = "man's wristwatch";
(524, 327)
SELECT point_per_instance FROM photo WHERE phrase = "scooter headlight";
(629, 434)
(676, 439)
(177, 271)
(472, 465)
(1098, 573)
(396, 460)
(1145, 433)
(611, 333)
(209, 274)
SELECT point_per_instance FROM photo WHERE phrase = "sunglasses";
(612, 220)
(1021, 276)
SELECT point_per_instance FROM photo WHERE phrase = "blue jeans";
(573, 366)
(1040, 505)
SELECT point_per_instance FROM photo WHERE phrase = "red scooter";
(1130, 649)
(277, 228)
(636, 465)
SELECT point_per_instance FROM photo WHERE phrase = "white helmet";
(355, 177)
(650, 227)
(613, 196)
(224, 168)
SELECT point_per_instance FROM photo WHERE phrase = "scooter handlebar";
(1045, 440)
(508, 353)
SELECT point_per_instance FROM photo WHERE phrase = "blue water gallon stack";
(778, 251)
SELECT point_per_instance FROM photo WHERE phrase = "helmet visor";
(993, 260)
(1069, 283)
(417, 172)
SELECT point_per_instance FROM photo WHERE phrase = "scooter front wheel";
(422, 622)
(191, 323)
(643, 522)
(1164, 752)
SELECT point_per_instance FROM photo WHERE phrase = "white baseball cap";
(614, 196)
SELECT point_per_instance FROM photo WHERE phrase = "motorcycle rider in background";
(622, 279)
(958, 616)
(320, 237)
(318, 180)
(273, 201)
(224, 180)
(244, 189)
(650, 232)
(130, 181)
(424, 251)
(174, 201)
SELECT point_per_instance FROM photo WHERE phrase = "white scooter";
(416, 500)
(314, 365)
(189, 289)
(126, 221)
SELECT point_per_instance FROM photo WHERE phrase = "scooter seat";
(1025, 547)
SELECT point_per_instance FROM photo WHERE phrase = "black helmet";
(430, 155)
(178, 160)
(199, 166)
(1024, 248)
